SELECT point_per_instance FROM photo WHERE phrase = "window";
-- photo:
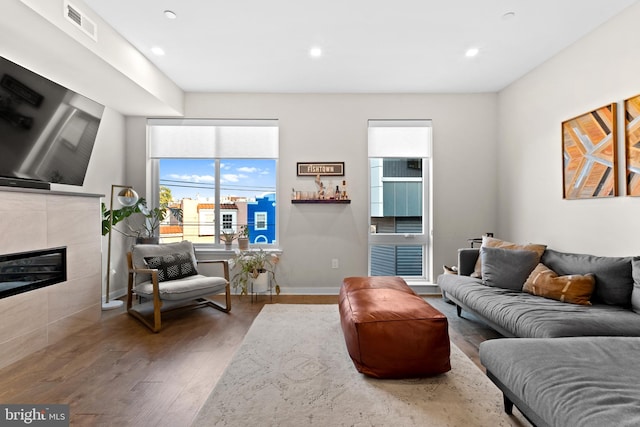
(260, 220)
(218, 172)
(399, 243)
(227, 222)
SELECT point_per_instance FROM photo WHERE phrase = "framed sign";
(322, 169)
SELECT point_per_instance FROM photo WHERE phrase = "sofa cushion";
(635, 293)
(503, 244)
(586, 382)
(614, 282)
(507, 268)
(172, 266)
(575, 288)
(525, 315)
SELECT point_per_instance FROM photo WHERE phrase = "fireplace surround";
(34, 220)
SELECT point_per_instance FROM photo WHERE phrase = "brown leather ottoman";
(390, 331)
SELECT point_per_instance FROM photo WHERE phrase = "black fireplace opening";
(26, 271)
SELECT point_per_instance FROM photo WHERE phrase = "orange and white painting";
(589, 154)
(632, 144)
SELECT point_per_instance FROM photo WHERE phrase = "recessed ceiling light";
(157, 50)
(472, 52)
(315, 52)
(170, 14)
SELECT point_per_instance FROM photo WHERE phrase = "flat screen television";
(47, 131)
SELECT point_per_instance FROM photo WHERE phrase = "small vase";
(227, 245)
(243, 243)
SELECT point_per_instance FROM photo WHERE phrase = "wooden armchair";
(167, 276)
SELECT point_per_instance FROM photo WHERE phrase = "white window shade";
(399, 138)
(198, 139)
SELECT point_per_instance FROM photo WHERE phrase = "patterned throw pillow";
(575, 288)
(172, 266)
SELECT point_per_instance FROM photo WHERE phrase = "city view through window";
(247, 189)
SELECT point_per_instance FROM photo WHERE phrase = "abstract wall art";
(632, 144)
(589, 154)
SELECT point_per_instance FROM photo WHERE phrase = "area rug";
(293, 369)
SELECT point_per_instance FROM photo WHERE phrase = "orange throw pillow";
(576, 289)
(503, 244)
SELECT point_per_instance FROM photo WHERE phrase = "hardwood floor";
(120, 374)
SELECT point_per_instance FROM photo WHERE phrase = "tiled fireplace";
(34, 220)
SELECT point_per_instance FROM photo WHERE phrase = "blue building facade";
(261, 219)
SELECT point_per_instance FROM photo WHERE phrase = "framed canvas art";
(589, 154)
(632, 144)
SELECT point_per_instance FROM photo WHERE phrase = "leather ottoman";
(390, 331)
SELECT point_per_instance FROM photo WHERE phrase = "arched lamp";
(126, 197)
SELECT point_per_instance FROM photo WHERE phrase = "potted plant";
(243, 238)
(256, 269)
(227, 236)
(144, 230)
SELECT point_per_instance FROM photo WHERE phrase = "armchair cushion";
(185, 288)
(172, 266)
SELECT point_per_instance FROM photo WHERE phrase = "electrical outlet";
(334, 263)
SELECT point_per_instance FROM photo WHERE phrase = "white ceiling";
(368, 45)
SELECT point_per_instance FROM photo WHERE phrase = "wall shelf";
(328, 201)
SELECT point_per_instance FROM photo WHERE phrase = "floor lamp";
(127, 197)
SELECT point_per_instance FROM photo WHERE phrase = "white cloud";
(194, 178)
(247, 169)
(230, 177)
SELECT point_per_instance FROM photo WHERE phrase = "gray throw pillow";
(635, 293)
(614, 281)
(507, 268)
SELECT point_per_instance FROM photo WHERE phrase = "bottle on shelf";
(337, 194)
(344, 194)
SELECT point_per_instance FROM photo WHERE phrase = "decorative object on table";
(320, 193)
(243, 238)
(250, 266)
(589, 154)
(632, 144)
(344, 195)
(321, 169)
(127, 197)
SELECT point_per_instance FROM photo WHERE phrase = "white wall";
(599, 69)
(325, 128)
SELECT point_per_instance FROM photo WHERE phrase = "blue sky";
(238, 177)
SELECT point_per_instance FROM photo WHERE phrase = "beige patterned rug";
(293, 369)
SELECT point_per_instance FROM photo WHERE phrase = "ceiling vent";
(80, 20)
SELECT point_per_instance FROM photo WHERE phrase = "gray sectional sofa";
(514, 313)
(562, 364)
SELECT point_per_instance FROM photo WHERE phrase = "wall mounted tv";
(47, 131)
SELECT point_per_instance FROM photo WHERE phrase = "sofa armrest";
(467, 258)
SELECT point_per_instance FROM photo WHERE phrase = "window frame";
(402, 239)
(271, 153)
